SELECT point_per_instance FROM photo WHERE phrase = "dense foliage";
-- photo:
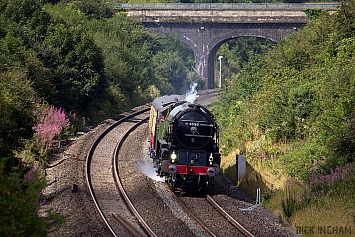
(238, 52)
(294, 107)
(58, 64)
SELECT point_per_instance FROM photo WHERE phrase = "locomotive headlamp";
(173, 157)
(211, 159)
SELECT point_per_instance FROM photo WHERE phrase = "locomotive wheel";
(171, 182)
(203, 185)
(199, 188)
(208, 183)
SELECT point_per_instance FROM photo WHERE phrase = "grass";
(331, 214)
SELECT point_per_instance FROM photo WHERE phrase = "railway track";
(149, 195)
(123, 222)
(112, 164)
(228, 217)
(212, 219)
(100, 170)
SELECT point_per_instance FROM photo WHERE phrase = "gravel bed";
(258, 221)
(77, 207)
(151, 197)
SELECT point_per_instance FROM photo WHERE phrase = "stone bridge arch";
(205, 38)
(204, 26)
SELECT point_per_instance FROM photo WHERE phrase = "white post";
(241, 166)
(220, 71)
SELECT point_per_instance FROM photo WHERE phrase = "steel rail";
(120, 186)
(88, 160)
(192, 216)
(128, 227)
(229, 218)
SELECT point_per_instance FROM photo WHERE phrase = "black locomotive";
(184, 143)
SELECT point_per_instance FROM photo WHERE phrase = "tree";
(16, 106)
(20, 198)
(344, 20)
(19, 11)
(95, 9)
(171, 73)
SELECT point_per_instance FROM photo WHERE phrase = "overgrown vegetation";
(292, 112)
(63, 65)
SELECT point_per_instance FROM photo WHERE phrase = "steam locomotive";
(183, 140)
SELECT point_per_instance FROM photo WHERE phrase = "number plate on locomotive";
(194, 124)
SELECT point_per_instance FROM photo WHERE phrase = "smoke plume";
(191, 94)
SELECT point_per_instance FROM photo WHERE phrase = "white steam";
(191, 94)
(148, 169)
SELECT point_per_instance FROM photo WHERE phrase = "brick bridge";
(205, 27)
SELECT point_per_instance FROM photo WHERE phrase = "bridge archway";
(213, 57)
(205, 38)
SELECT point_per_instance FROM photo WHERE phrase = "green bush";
(20, 199)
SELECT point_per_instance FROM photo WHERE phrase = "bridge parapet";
(222, 13)
(228, 6)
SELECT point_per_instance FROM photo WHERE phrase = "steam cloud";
(191, 94)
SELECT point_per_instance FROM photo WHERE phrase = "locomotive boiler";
(184, 143)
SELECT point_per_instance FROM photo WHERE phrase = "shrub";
(53, 124)
(320, 184)
(298, 162)
(323, 183)
(20, 201)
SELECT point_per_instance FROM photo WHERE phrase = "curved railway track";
(100, 170)
(144, 206)
(150, 197)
